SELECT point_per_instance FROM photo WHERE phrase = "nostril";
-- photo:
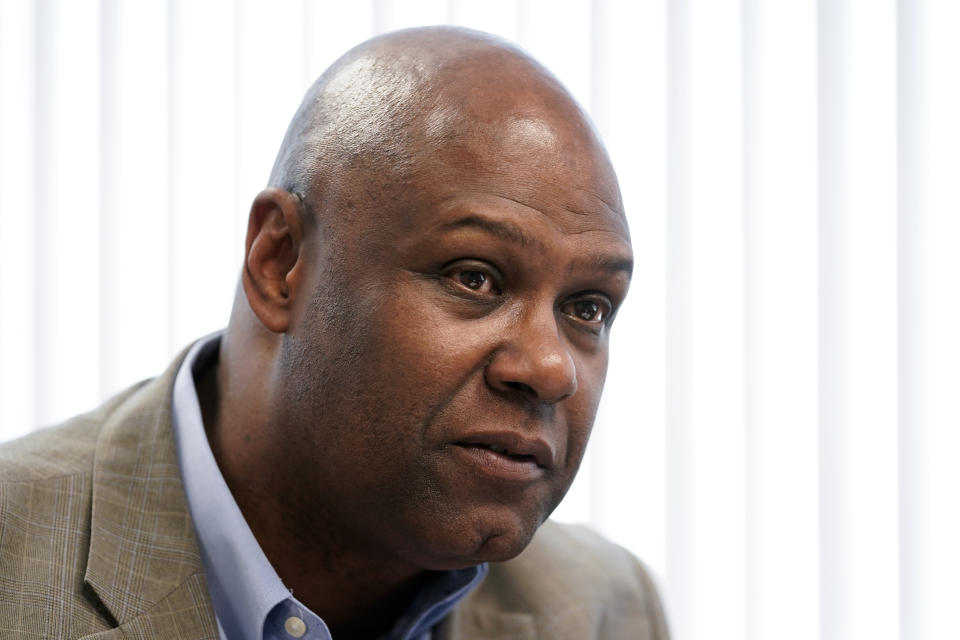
(522, 387)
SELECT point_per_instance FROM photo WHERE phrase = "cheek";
(418, 338)
(398, 363)
(581, 409)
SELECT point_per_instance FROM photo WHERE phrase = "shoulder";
(565, 552)
(576, 584)
(46, 481)
(61, 450)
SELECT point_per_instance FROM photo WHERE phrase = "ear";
(272, 266)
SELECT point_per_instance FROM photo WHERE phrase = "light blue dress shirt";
(249, 598)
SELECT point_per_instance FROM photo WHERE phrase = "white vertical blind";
(782, 419)
(203, 213)
(18, 213)
(134, 270)
(929, 226)
(858, 314)
(66, 243)
(680, 523)
(780, 318)
(915, 489)
(715, 247)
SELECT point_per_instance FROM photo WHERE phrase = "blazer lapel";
(144, 564)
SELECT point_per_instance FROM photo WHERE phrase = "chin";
(499, 547)
(486, 538)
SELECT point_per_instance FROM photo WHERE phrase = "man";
(402, 395)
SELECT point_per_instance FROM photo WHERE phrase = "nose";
(534, 361)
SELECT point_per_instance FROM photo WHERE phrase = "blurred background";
(780, 435)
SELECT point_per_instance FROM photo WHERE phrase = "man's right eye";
(474, 278)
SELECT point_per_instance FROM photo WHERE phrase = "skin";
(440, 255)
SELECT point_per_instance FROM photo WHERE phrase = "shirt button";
(295, 627)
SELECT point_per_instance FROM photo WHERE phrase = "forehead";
(553, 170)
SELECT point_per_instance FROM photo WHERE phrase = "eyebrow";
(513, 233)
(504, 230)
(609, 264)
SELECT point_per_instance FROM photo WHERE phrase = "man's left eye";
(589, 310)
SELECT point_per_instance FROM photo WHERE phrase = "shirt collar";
(244, 587)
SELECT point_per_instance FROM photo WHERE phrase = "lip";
(507, 454)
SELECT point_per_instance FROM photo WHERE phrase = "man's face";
(443, 378)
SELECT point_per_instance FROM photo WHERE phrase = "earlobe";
(270, 269)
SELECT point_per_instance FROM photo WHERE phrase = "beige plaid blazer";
(96, 542)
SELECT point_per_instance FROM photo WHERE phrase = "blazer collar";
(143, 557)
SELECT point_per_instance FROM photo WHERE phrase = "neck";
(358, 592)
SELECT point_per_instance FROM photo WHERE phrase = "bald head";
(395, 99)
